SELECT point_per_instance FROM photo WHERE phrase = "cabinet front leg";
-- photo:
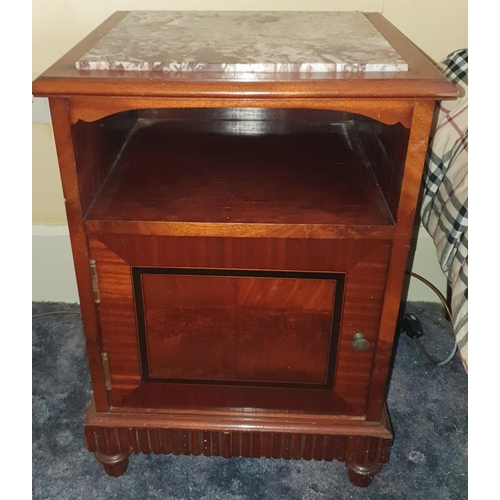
(362, 475)
(114, 465)
(365, 457)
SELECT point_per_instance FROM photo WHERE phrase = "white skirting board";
(54, 280)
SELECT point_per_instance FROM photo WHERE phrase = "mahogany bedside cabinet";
(240, 191)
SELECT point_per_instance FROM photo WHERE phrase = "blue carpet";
(427, 406)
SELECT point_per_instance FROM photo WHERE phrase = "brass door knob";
(359, 343)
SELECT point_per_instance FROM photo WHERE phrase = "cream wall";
(435, 26)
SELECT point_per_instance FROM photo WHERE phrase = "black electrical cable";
(434, 289)
(38, 315)
(427, 355)
(445, 304)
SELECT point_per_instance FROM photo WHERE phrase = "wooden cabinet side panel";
(386, 147)
(69, 178)
(97, 146)
(410, 189)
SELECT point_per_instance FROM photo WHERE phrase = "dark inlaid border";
(339, 278)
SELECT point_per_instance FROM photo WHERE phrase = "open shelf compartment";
(246, 167)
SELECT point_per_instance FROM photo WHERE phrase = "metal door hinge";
(107, 373)
(95, 282)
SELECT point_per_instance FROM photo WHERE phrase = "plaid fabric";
(444, 208)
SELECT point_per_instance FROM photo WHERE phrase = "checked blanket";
(444, 210)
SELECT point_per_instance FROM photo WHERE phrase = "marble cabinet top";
(250, 42)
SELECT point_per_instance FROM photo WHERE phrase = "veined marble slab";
(249, 42)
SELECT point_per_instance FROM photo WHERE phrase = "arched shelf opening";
(96, 108)
(311, 172)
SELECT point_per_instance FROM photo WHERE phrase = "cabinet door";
(255, 324)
